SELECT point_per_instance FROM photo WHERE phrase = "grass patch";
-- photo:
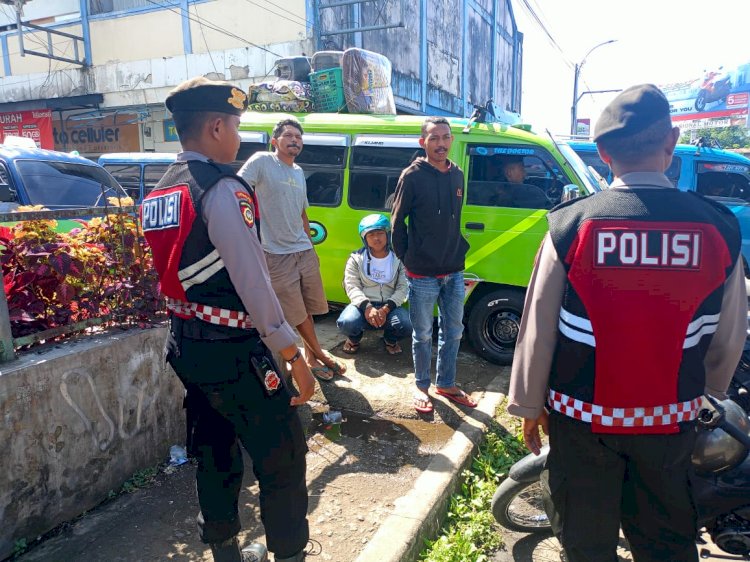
(140, 479)
(470, 533)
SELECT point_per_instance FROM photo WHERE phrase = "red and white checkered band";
(624, 417)
(211, 314)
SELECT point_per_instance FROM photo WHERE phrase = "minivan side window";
(128, 176)
(152, 173)
(323, 158)
(723, 180)
(592, 159)
(7, 194)
(376, 165)
(513, 176)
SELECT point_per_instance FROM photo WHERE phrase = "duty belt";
(648, 416)
(210, 314)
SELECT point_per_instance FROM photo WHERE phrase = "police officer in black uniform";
(201, 223)
(635, 309)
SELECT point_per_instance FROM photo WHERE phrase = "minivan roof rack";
(490, 113)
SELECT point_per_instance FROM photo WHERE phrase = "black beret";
(202, 94)
(632, 111)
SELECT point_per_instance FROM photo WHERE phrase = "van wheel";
(493, 325)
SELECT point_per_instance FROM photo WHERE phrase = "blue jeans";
(352, 324)
(448, 293)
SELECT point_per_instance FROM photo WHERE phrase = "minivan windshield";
(60, 185)
(583, 172)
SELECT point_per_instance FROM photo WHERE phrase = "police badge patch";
(272, 381)
(247, 208)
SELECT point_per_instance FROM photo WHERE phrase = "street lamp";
(578, 67)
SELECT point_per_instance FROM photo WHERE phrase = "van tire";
(493, 325)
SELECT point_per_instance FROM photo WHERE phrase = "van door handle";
(475, 225)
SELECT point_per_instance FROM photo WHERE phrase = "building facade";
(100, 69)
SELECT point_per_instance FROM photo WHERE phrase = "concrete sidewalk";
(376, 490)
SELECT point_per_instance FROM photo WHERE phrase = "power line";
(543, 27)
(214, 27)
(305, 20)
(205, 42)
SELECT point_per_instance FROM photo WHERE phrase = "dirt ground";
(355, 471)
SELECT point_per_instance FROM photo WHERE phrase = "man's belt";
(649, 416)
(210, 314)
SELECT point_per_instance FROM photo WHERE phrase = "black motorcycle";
(721, 485)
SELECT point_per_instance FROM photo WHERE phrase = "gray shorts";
(297, 283)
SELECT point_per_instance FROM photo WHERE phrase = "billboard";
(35, 124)
(718, 98)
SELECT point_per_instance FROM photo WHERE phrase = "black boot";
(229, 551)
(299, 557)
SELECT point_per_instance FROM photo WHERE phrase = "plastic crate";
(327, 89)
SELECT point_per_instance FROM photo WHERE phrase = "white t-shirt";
(381, 269)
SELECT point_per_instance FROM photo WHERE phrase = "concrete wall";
(77, 421)
(136, 37)
(467, 44)
(263, 23)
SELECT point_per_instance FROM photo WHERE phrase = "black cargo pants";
(598, 482)
(230, 407)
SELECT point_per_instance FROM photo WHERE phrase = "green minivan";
(352, 164)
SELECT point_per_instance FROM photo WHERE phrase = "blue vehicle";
(137, 172)
(56, 180)
(719, 174)
(710, 171)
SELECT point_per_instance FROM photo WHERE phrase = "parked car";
(139, 172)
(56, 180)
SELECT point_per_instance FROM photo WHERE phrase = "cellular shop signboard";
(34, 124)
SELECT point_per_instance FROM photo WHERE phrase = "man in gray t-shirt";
(293, 265)
(282, 197)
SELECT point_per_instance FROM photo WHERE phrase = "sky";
(658, 41)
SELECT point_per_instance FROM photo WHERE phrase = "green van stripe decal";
(505, 237)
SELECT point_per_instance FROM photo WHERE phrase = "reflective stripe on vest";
(650, 416)
(210, 314)
(200, 271)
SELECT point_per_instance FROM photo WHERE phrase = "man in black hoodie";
(431, 247)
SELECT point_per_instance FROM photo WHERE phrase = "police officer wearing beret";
(225, 323)
(635, 309)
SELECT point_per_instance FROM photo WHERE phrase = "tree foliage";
(725, 137)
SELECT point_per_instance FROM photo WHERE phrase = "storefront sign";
(96, 136)
(34, 124)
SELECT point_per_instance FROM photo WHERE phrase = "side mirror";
(570, 191)
(7, 195)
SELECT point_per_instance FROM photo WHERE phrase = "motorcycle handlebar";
(722, 422)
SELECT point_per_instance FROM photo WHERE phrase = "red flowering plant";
(102, 269)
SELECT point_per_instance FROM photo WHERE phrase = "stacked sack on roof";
(355, 80)
(282, 95)
(367, 82)
(289, 92)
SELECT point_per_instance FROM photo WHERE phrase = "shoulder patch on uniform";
(247, 207)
